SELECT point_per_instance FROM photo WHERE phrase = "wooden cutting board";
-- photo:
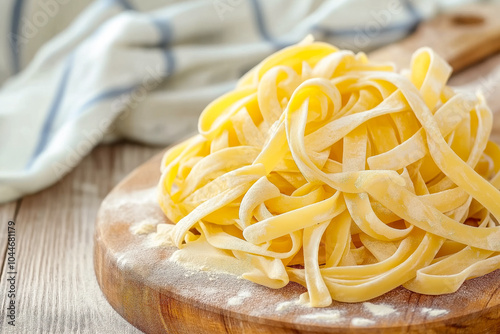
(159, 296)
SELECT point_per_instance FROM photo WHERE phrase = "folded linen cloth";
(144, 71)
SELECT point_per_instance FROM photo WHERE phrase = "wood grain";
(159, 296)
(57, 290)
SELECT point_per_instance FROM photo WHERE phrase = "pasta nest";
(340, 174)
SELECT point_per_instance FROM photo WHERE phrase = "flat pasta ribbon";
(342, 175)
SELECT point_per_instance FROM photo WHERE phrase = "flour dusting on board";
(433, 312)
(140, 203)
(211, 291)
(122, 260)
(325, 316)
(238, 300)
(145, 226)
(379, 310)
(361, 322)
(162, 237)
(283, 306)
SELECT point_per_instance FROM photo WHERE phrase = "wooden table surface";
(57, 291)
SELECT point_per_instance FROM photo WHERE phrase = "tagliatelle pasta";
(340, 174)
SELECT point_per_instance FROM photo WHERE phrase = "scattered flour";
(189, 274)
(330, 316)
(379, 310)
(433, 312)
(122, 260)
(361, 322)
(287, 305)
(163, 236)
(210, 291)
(145, 226)
(238, 300)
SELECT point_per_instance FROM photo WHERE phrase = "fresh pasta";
(342, 175)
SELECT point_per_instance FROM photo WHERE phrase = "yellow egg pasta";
(342, 175)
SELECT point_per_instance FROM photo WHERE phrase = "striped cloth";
(77, 73)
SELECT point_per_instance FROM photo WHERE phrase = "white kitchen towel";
(72, 77)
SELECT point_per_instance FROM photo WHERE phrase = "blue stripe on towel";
(166, 35)
(14, 34)
(412, 10)
(125, 4)
(114, 92)
(54, 108)
(108, 94)
(169, 62)
(261, 26)
(260, 20)
(165, 40)
(165, 30)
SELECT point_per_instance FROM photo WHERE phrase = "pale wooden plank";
(57, 288)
